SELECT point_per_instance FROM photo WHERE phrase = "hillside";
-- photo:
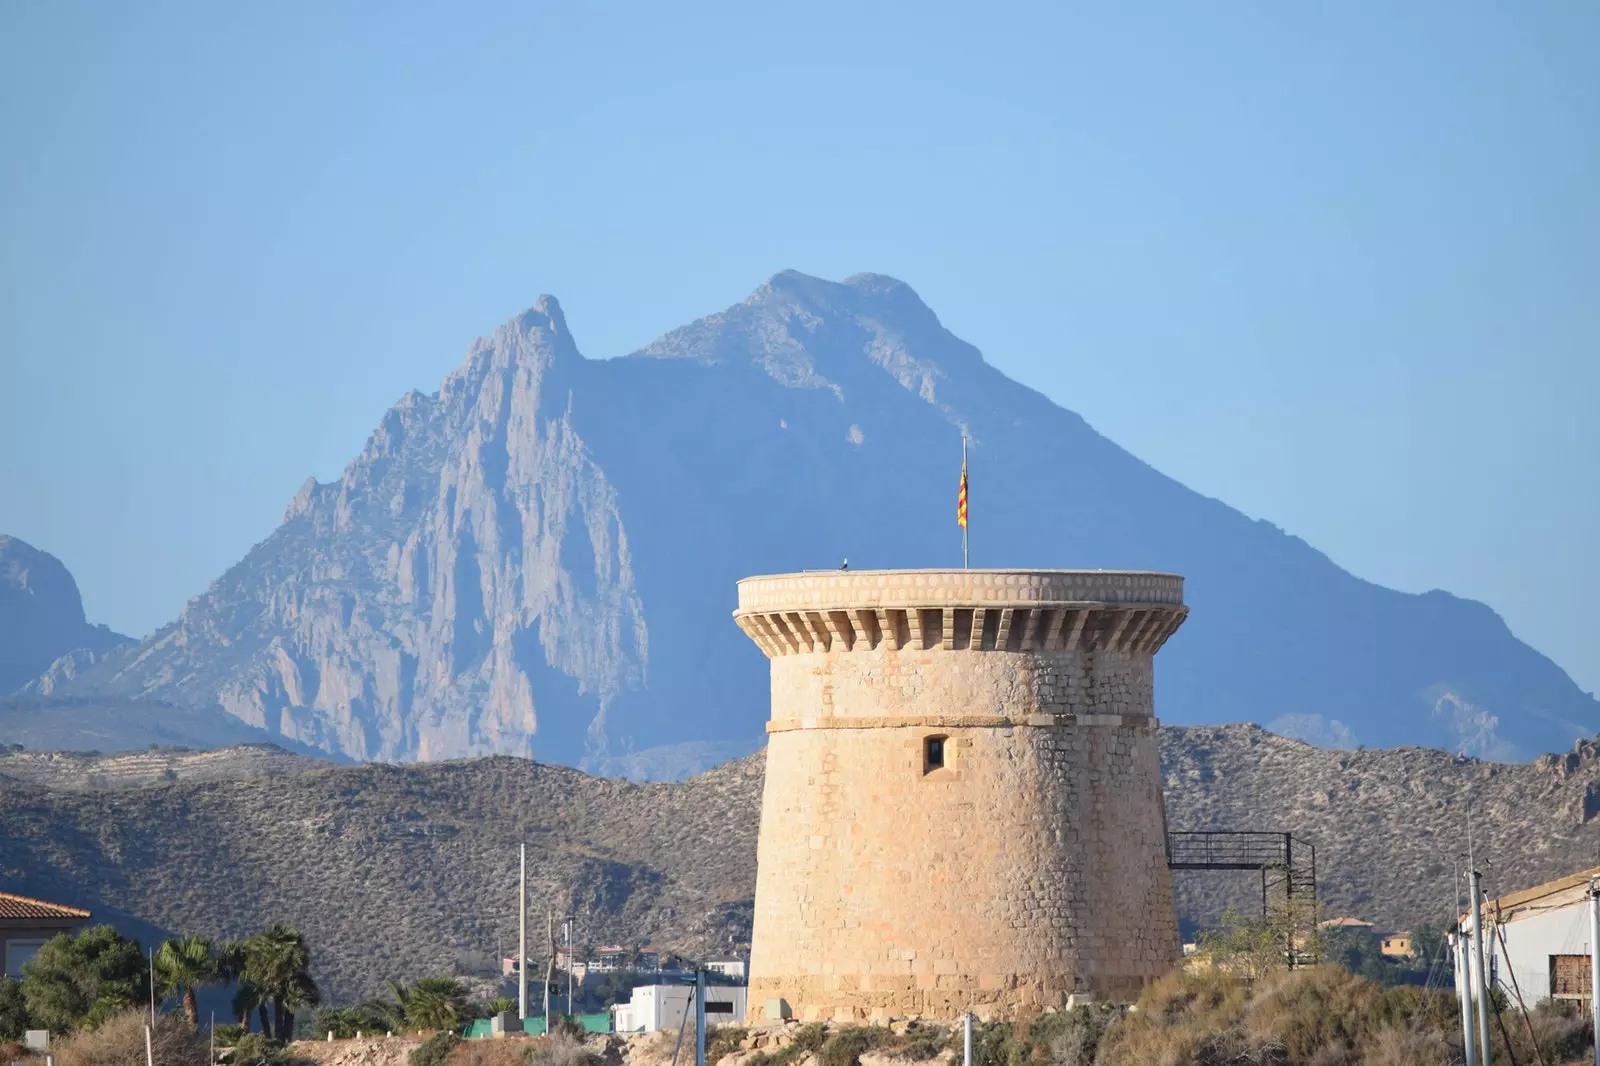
(111, 724)
(540, 557)
(394, 871)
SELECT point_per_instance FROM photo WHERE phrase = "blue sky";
(1337, 265)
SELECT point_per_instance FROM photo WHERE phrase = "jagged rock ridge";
(541, 557)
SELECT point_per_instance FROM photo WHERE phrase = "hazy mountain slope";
(109, 724)
(541, 557)
(41, 615)
(398, 871)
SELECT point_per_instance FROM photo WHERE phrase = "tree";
(1244, 946)
(184, 964)
(13, 1009)
(82, 980)
(346, 1022)
(428, 1003)
(277, 966)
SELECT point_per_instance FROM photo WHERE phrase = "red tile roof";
(13, 906)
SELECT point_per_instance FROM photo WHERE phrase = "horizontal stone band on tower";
(961, 610)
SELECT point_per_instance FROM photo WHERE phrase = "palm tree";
(427, 1003)
(278, 966)
(182, 965)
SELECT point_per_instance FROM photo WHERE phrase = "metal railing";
(1230, 850)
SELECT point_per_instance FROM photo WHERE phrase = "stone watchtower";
(963, 801)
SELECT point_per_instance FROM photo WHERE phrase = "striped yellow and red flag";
(961, 497)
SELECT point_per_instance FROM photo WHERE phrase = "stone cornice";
(1128, 612)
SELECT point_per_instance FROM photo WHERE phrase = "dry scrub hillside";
(397, 871)
(1388, 825)
(80, 771)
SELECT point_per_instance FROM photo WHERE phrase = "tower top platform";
(817, 589)
(987, 610)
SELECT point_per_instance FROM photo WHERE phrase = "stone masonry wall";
(1030, 866)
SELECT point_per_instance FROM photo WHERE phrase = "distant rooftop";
(14, 906)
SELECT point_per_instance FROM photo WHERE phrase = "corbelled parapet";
(963, 802)
(1009, 610)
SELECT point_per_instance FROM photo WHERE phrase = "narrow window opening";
(932, 754)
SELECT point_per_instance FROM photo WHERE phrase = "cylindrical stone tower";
(963, 801)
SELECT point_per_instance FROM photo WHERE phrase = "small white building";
(656, 1007)
(732, 968)
(1536, 942)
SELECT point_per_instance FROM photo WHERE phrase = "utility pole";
(1480, 984)
(568, 924)
(1594, 959)
(966, 1038)
(1464, 981)
(152, 988)
(699, 1015)
(550, 967)
(522, 931)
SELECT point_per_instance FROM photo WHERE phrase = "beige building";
(963, 803)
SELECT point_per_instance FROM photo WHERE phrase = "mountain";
(41, 615)
(541, 557)
(396, 871)
(104, 725)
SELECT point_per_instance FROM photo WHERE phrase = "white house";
(1536, 942)
(670, 1006)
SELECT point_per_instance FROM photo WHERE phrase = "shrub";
(255, 1049)
(1322, 1015)
(119, 1041)
(1562, 1031)
(921, 1042)
(807, 1039)
(723, 1041)
(489, 1053)
(13, 1011)
(844, 1047)
(434, 1050)
(560, 1048)
(1071, 1037)
(82, 980)
(228, 1034)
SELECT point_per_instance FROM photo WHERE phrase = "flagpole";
(965, 564)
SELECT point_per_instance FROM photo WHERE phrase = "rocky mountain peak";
(41, 615)
(540, 558)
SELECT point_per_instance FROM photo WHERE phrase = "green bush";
(13, 1009)
(844, 1047)
(255, 1049)
(807, 1038)
(921, 1042)
(434, 1050)
(723, 1041)
(80, 981)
